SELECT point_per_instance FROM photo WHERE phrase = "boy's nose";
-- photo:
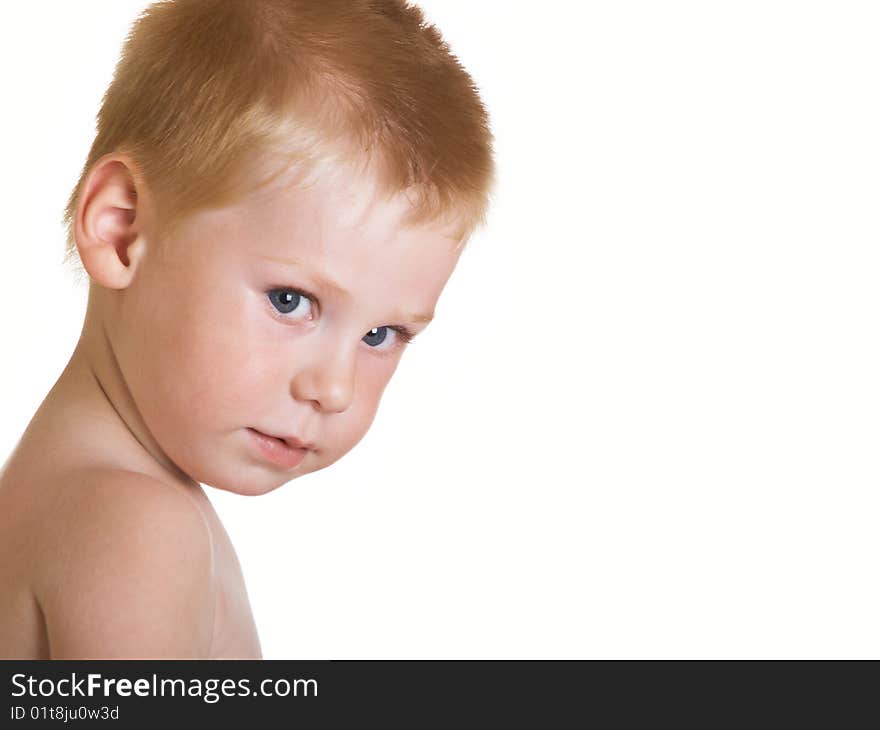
(327, 380)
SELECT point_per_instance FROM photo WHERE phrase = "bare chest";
(23, 633)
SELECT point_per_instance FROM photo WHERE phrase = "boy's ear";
(108, 222)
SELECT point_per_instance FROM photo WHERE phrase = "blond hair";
(204, 87)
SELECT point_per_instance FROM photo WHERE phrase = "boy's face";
(279, 313)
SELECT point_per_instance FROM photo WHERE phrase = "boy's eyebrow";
(323, 281)
(326, 283)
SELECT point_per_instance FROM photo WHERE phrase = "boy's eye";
(378, 338)
(298, 306)
(290, 301)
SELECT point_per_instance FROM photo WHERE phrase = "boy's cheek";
(221, 387)
(192, 378)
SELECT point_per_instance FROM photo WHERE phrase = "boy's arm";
(130, 573)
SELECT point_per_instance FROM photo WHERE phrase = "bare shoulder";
(126, 570)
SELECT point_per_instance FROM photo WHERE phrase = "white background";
(645, 421)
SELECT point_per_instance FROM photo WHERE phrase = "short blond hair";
(204, 87)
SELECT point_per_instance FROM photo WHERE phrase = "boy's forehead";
(333, 201)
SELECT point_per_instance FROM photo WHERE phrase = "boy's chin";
(252, 485)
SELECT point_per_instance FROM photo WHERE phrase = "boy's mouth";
(277, 450)
(290, 441)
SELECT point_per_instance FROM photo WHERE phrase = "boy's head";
(277, 194)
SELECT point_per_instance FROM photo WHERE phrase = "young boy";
(276, 196)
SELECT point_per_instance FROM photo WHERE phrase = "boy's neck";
(93, 389)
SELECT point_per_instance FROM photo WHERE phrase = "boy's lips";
(278, 451)
(292, 441)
